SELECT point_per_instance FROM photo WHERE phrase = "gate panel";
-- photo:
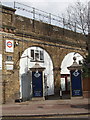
(76, 83)
(26, 87)
(37, 84)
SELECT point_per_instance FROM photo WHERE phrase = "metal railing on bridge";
(46, 17)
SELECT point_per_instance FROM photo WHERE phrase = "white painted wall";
(68, 61)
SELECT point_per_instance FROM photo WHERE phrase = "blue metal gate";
(37, 84)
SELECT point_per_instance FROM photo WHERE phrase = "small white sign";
(9, 46)
(9, 67)
(9, 62)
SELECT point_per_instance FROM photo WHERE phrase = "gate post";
(76, 79)
(37, 82)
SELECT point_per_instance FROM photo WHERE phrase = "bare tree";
(78, 14)
(77, 18)
(89, 27)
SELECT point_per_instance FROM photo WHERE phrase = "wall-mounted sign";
(9, 62)
(76, 83)
(9, 46)
(9, 65)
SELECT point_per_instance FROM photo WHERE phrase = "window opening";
(37, 55)
(32, 54)
(41, 55)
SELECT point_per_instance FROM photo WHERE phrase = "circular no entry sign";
(9, 44)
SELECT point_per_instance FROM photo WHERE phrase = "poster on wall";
(9, 46)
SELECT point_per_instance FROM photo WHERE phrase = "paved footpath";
(47, 107)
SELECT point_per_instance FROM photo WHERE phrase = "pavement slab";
(47, 107)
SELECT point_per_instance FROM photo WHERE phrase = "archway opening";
(28, 59)
(65, 73)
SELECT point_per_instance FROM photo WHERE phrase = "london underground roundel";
(9, 44)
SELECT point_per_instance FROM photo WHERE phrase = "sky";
(56, 7)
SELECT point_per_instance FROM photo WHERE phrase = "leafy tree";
(86, 66)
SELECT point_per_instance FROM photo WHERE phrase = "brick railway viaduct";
(58, 42)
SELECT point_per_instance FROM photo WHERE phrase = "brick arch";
(40, 46)
(57, 54)
(70, 51)
(49, 74)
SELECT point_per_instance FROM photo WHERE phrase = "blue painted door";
(37, 84)
(76, 83)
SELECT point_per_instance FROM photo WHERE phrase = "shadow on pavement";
(86, 106)
(57, 97)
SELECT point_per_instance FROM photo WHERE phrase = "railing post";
(33, 19)
(75, 28)
(14, 4)
(33, 13)
(63, 25)
(49, 18)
